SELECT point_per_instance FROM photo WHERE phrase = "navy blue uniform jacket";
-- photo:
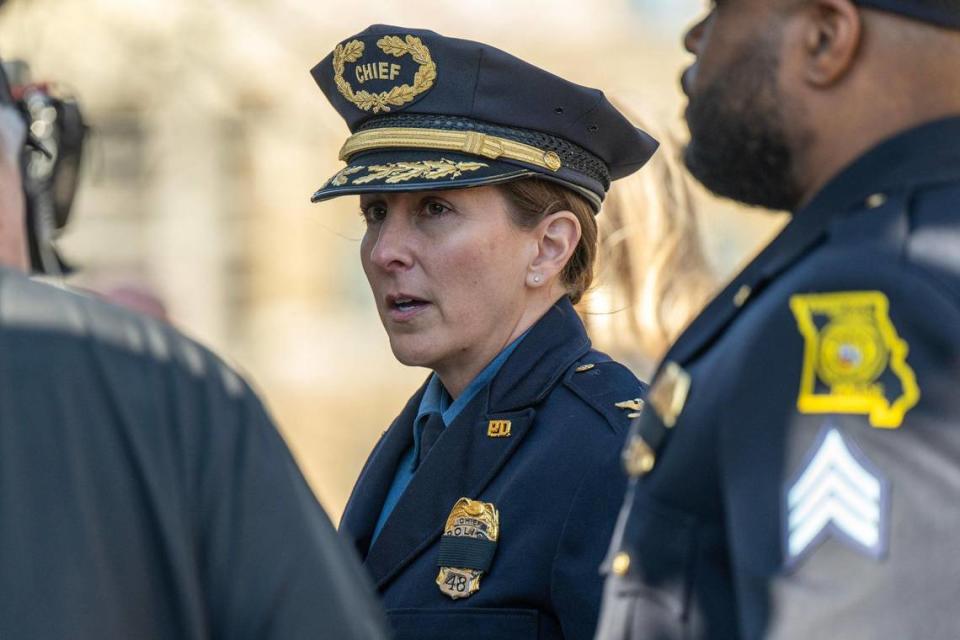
(810, 486)
(555, 481)
(145, 493)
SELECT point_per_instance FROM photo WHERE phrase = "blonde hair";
(653, 275)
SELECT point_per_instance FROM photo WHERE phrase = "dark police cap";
(430, 112)
(945, 13)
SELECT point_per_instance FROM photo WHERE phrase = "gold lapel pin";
(498, 429)
(634, 406)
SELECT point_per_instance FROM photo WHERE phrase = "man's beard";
(738, 146)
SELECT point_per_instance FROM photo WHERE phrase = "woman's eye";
(373, 213)
(435, 208)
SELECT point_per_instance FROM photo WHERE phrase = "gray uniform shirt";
(145, 493)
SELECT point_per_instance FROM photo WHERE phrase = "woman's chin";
(414, 351)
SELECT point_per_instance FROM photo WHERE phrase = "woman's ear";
(557, 237)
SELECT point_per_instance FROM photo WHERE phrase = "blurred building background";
(209, 136)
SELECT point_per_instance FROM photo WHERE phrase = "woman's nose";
(392, 249)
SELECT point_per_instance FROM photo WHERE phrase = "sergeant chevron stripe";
(839, 493)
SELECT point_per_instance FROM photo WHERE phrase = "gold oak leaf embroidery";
(341, 178)
(396, 172)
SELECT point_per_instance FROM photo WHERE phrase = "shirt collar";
(436, 399)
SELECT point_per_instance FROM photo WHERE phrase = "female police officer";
(484, 510)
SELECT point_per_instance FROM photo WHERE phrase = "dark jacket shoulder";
(608, 387)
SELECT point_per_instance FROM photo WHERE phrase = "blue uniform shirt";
(437, 400)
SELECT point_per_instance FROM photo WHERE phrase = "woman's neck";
(456, 376)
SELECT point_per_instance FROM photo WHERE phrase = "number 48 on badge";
(467, 547)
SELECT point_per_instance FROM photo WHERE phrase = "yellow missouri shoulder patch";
(854, 361)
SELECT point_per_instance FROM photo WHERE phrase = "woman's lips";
(401, 308)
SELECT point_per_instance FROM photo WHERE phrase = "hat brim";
(398, 170)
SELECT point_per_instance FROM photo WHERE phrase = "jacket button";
(876, 200)
(742, 295)
(638, 458)
(621, 563)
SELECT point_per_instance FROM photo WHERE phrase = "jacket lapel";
(465, 459)
(369, 493)
(461, 464)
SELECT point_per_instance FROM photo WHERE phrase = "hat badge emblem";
(398, 95)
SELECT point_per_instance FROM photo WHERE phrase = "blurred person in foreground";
(485, 509)
(653, 276)
(144, 491)
(797, 468)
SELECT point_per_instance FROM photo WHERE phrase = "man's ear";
(557, 237)
(828, 37)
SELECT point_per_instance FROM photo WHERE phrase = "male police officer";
(797, 467)
(144, 491)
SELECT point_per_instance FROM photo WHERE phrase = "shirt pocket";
(464, 624)
(650, 597)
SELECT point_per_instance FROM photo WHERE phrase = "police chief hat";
(430, 112)
(945, 13)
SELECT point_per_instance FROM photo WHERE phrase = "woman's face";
(448, 272)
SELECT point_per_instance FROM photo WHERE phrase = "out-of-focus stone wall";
(208, 137)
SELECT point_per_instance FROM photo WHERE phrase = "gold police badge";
(467, 547)
(854, 361)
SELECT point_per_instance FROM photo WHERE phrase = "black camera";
(51, 163)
